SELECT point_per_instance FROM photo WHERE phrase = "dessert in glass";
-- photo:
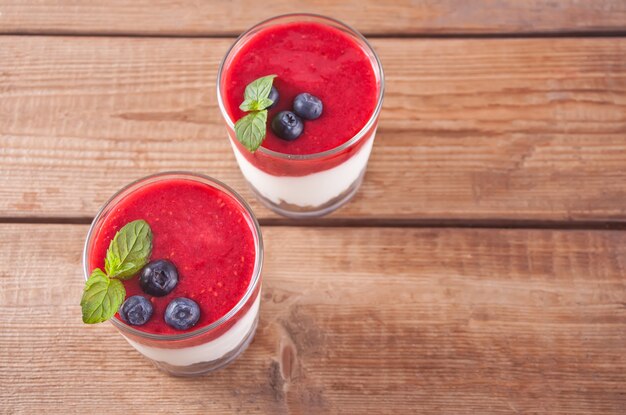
(206, 238)
(321, 166)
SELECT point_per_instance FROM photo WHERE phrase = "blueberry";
(287, 125)
(307, 106)
(136, 310)
(182, 313)
(158, 278)
(274, 96)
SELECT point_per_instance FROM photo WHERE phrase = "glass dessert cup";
(209, 347)
(305, 185)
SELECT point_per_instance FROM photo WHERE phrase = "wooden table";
(480, 269)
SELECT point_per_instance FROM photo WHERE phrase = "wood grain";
(352, 321)
(398, 17)
(481, 129)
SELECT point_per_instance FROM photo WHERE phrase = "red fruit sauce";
(202, 230)
(307, 57)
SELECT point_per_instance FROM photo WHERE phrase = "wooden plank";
(399, 17)
(353, 320)
(482, 129)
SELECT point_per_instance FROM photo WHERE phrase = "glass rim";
(358, 136)
(258, 248)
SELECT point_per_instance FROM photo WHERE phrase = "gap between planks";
(468, 35)
(377, 223)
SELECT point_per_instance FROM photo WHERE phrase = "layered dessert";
(193, 304)
(326, 93)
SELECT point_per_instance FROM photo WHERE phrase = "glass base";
(303, 212)
(202, 368)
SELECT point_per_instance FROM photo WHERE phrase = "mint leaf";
(129, 250)
(252, 105)
(258, 89)
(251, 129)
(102, 297)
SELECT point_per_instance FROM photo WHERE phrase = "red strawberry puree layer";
(202, 230)
(307, 57)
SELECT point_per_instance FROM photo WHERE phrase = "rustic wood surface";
(380, 320)
(498, 114)
(479, 129)
(398, 17)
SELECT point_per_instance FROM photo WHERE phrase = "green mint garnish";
(251, 129)
(128, 252)
(102, 297)
(259, 88)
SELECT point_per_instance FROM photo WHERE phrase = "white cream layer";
(314, 189)
(206, 352)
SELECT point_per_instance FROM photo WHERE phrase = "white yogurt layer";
(206, 352)
(314, 189)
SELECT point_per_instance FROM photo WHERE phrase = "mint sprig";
(251, 129)
(128, 252)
